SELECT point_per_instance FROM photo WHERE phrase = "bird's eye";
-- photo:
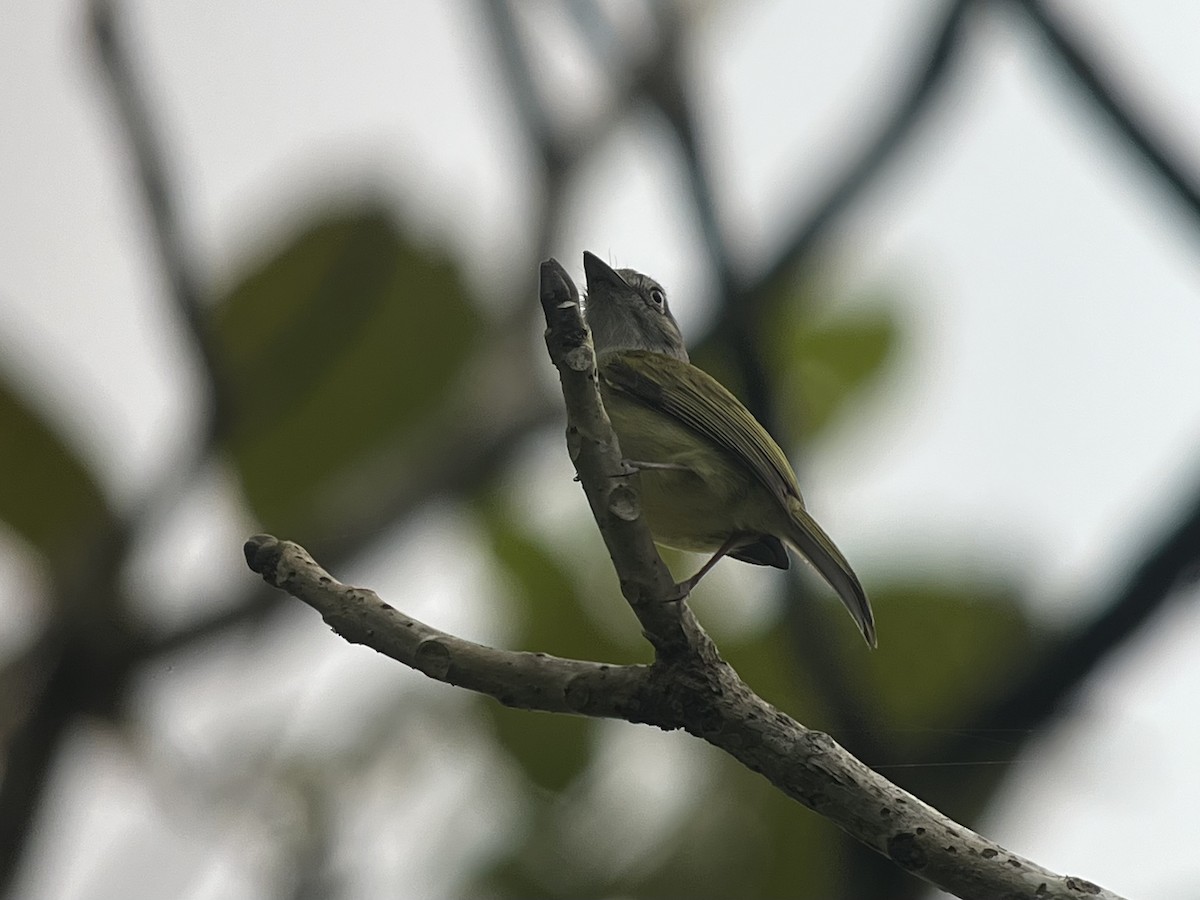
(658, 298)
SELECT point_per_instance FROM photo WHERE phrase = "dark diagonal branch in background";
(477, 455)
(86, 667)
(1041, 694)
(31, 745)
(544, 135)
(1175, 560)
(666, 88)
(159, 194)
(914, 104)
(554, 151)
(657, 76)
(688, 686)
(85, 652)
(1099, 87)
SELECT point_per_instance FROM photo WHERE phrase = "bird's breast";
(703, 497)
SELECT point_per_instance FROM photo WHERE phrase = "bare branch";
(689, 686)
(524, 680)
(700, 694)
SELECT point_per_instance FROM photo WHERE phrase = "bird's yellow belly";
(699, 502)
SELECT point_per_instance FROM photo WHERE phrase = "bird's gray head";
(627, 310)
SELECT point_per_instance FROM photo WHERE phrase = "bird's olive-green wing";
(700, 402)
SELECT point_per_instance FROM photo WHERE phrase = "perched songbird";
(712, 479)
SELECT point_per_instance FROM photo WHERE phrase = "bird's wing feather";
(699, 401)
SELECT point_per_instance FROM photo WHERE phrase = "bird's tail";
(816, 546)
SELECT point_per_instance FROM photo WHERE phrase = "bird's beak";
(599, 272)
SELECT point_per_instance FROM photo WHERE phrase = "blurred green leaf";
(47, 495)
(510, 877)
(767, 663)
(945, 650)
(738, 837)
(799, 847)
(942, 647)
(343, 342)
(823, 362)
(745, 839)
(548, 602)
(818, 359)
(551, 749)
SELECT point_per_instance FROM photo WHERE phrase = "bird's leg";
(637, 465)
(685, 587)
(674, 467)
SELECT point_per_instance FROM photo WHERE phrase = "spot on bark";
(904, 849)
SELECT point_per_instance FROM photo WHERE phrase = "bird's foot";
(680, 592)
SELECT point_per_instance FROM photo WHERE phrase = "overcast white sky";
(1045, 407)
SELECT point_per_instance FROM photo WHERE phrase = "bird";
(711, 478)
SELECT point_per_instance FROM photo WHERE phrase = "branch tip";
(557, 289)
(262, 552)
